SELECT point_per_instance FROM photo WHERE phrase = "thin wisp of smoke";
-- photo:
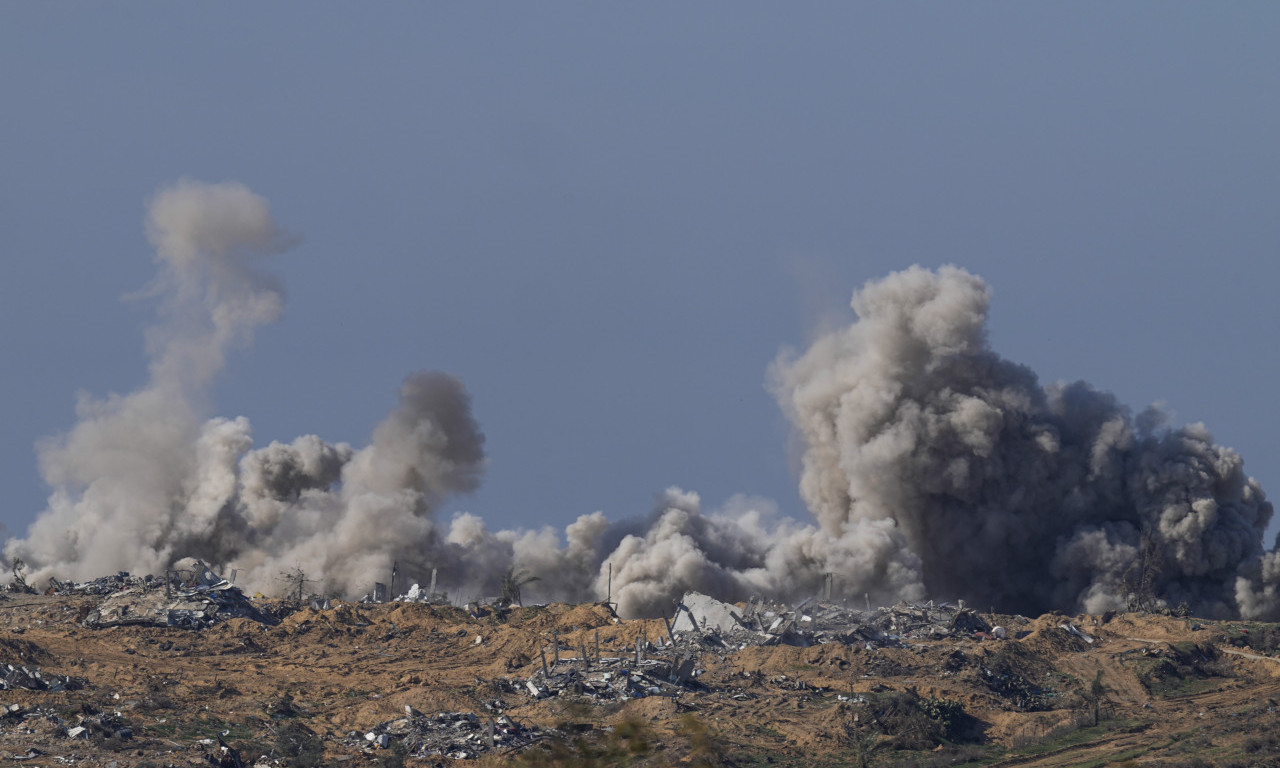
(931, 465)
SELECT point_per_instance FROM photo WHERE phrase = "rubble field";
(188, 671)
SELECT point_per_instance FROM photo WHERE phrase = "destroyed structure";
(29, 679)
(763, 623)
(191, 598)
(669, 665)
(456, 735)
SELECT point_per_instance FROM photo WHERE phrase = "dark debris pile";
(194, 598)
(763, 623)
(32, 679)
(455, 735)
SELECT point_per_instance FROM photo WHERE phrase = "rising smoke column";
(145, 479)
(1012, 494)
(381, 513)
(117, 473)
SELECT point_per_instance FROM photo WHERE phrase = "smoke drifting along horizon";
(931, 465)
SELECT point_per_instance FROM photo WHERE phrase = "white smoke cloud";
(931, 466)
(122, 475)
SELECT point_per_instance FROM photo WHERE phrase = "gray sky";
(607, 219)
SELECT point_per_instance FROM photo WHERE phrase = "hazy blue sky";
(607, 219)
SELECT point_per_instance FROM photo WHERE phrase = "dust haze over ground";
(931, 465)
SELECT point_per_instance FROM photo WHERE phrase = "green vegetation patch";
(1179, 669)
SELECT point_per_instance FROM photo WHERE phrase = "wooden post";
(543, 652)
(555, 639)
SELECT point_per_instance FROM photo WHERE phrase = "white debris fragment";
(1075, 631)
(710, 614)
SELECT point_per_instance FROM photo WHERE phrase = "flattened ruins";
(185, 669)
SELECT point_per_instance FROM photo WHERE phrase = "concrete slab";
(710, 613)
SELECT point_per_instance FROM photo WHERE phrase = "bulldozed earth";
(406, 683)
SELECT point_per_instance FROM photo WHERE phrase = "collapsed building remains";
(456, 735)
(764, 623)
(193, 597)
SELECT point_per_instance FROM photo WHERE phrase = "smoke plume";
(1011, 493)
(931, 466)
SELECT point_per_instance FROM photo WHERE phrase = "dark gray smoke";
(931, 466)
(1013, 493)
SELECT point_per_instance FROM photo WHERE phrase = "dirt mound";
(15, 650)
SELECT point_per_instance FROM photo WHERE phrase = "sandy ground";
(1171, 692)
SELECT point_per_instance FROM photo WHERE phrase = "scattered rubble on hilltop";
(671, 665)
(654, 670)
(47, 723)
(456, 735)
(809, 680)
(191, 598)
(763, 623)
(29, 679)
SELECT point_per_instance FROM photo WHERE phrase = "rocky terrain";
(426, 684)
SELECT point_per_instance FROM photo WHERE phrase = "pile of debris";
(191, 598)
(105, 585)
(615, 679)
(762, 623)
(703, 624)
(662, 669)
(100, 728)
(929, 621)
(29, 679)
(47, 725)
(456, 735)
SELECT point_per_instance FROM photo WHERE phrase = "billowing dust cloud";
(1011, 493)
(932, 467)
